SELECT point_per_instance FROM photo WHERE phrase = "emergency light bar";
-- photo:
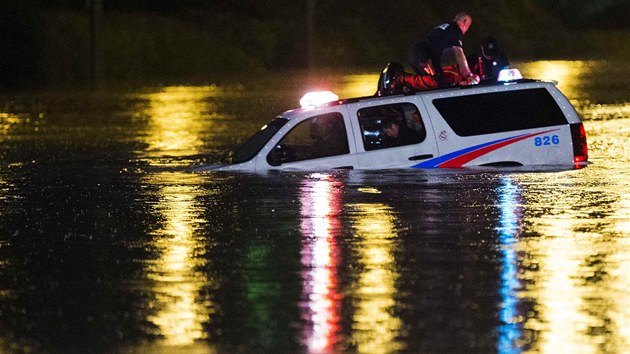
(509, 75)
(317, 98)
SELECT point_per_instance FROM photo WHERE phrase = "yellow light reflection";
(179, 313)
(619, 312)
(175, 124)
(581, 280)
(5, 188)
(609, 144)
(375, 328)
(619, 111)
(358, 85)
(618, 265)
(9, 120)
(568, 73)
(320, 200)
(175, 121)
(560, 294)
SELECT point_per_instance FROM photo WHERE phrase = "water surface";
(109, 244)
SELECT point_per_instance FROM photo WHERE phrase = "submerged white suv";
(513, 123)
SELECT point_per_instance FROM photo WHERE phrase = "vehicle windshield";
(252, 146)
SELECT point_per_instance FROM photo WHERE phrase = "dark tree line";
(21, 47)
(189, 36)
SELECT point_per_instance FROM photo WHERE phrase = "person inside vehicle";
(426, 56)
(489, 61)
(397, 133)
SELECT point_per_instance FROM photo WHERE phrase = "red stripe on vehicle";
(465, 158)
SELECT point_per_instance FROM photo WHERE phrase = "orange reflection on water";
(320, 200)
(375, 328)
(179, 313)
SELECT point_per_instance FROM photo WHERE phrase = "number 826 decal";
(546, 140)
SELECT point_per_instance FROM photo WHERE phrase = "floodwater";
(108, 243)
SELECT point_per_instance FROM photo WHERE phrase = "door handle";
(420, 157)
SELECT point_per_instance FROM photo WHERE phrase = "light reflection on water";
(568, 307)
(509, 227)
(571, 264)
(375, 329)
(554, 245)
(568, 74)
(567, 273)
(616, 111)
(175, 123)
(176, 281)
(174, 130)
(320, 200)
(8, 120)
(358, 85)
(609, 141)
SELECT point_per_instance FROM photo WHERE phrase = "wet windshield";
(252, 146)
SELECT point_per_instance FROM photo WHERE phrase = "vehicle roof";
(297, 112)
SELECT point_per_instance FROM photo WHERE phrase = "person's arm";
(468, 77)
(464, 70)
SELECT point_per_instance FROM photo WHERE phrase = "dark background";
(49, 42)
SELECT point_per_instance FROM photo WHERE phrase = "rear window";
(499, 112)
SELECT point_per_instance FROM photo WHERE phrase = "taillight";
(580, 148)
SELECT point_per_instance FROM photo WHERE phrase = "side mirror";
(276, 155)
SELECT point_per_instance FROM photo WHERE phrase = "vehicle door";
(317, 142)
(392, 133)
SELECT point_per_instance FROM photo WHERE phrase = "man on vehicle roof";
(425, 57)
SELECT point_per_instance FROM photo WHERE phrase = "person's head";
(390, 127)
(463, 20)
(489, 47)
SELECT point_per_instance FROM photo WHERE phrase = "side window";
(320, 136)
(500, 112)
(390, 126)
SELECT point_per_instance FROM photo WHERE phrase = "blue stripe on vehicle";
(434, 163)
